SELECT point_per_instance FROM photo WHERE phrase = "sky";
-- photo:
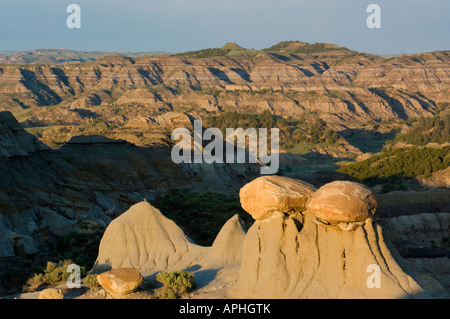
(407, 26)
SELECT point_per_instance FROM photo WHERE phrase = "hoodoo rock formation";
(269, 194)
(343, 203)
(143, 238)
(293, 256)
(293, 249)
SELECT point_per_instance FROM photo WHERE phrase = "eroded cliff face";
(92, 179)
(340, 85)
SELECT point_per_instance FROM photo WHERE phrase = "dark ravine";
(92, 179)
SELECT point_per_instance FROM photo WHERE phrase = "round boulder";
(268, 194)
(51, 293)
(343, 202)
(121, 281)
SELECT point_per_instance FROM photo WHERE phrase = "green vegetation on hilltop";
(392, 167)
(205, 53)
(305, 129)
(302, 47)
(235, 119)
(230, 50)
(424, 130)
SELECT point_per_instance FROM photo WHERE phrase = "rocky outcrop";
(343, 203)
(86, 101)
(122, 281)
(420, 235)
(141, 96)
(227, 247)
(293, 256)
(144, 239)
(268, 194)
(14, 141)
(51, 293)
(438, 179)
(399, 203)
(284, 254)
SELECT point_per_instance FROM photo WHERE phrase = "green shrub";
(53, 273)
(337, 95)
(51, 266)
(391, 167)
(204, 53)
(168, 294)
(176, 283)
(80, 247)
(91, 281)
(424, 130)
(306, 129)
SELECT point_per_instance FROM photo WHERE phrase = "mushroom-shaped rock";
(268, 194)
(343, 203)
(143, 238)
